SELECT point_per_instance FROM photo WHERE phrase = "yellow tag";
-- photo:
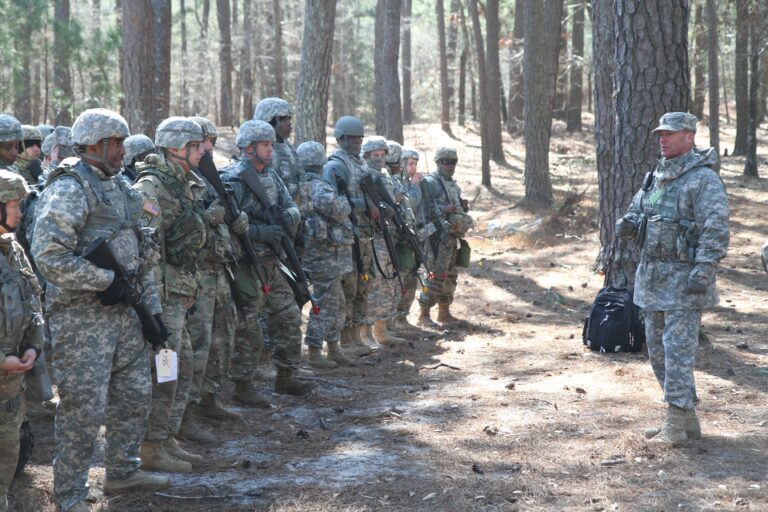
(151, 208)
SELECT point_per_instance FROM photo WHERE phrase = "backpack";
(615, 323)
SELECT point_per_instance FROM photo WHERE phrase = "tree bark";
(576, 70)
(741, 79)
(714, 77)
(750, 164)
(483, 90)
(25, 13)
(451, 45)
(183, 81)
(225, 63)
(278, 49)
(464, 64)
(62, 78)
(700, 85)
(378, 48)
(540, 75)
(389, 86)
(406, 62)
(161, 91)
(495, 96)
(315, 74)
(445, 94)
(515, 104)
(246, 64)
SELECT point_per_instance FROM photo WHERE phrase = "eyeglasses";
(449, 161)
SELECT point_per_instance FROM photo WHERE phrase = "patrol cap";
(269, 108)
(446, 153)
(348, 125)
(209, 129)
(373, 143)
(177, 132)
(677, 121)
(311, 153)
(409, 153)
(12, 186)
(48, 143)
(97, 124)
(136, 145)
(10, 128)
(254, 131)
(394, 152)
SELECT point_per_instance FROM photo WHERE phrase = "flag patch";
(151, 208)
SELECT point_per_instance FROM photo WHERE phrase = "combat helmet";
(45, 130)
(270, 108)
(10, 128)
(209, 129)
(13, 187)
(447, 153)
(135, 145)
(373, 143)
(97, 124)
(48, 144)
(394, 153)
(30, 135)
(177, 132)
(311, 154)
(409, 153)
(348, 125)
(254, 131)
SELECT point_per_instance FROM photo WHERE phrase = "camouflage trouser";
(100, 361)
(441, 287)
(10, 422)
(672, 338)
(327, 324)
(283, 327)
(169, 399)
(211, 329)
(384, 292)
(410, 278)
(357, 286)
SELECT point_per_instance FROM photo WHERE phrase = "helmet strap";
(176, 158)
(99, 161)
(4, 219)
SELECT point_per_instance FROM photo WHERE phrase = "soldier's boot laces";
(385, 337)
(246, 394)
(317, 359)
(444, 315)
(210, 408)
(139, 481)
(155, 457)
(336, 354)
(673, 428)
(366, 335)
(191, 430)
(285, 384)
(353, 345)
(692, 427)
(425, 320)
(173, 447)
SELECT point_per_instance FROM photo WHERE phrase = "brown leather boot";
(366, 335)
(673, 428)
(385, 337)
(353, 345)
(692, 427)
(444, 315)
(173, 447)
(318, 361)
(424, 320)
(247, 395)
(285, 384)
(400, 325)
(336, 354)
(210, 408)
(154, 457)
(192, 431)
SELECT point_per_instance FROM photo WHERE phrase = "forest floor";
(510, 412)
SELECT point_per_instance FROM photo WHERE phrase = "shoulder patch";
(151, 208)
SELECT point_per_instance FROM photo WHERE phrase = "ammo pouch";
(246, 287)
(405, 256)
(668, 239)
(15, 314)
(463, 254)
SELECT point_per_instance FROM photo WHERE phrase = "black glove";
(35, 168)
(266, 233)
(625, 228)
(158, 339)
(118, 292)
(695, 287)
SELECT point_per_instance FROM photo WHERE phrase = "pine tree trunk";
(246, 62)
(445, 93)
(741, 79)
(540, 75)
(750, 164)
(62, 78)
(138, 65)
(378, 72)
(225, 63)
(714, 77)
(315, 74)
(465, 66)
(24, 12)
(515, 102)
(576, 70)
(451, 46)
(406, 63)
(161, 89)
(278, 49)
(483, 90)
(700, 85)
(183, 82)
(494, 94)
(390, 86)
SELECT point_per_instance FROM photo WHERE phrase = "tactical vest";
(319, 229)
(355, 170)
(668, 234)
(187, 233)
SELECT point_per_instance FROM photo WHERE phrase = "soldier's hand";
(465, 205)
(695, 287)
(416, 178)
(118, 292)
(214, 214)
(374, 211)
(266, 233)
(13, 364)
(286, 219)
(240, 224)
(450, 208)
(625, 228)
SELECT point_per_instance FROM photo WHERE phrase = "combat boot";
(673, 428)
(425, 321)
(385, 337)
(353, 345)
(265, 370)
(173, 447)
(247, 395)
(210, 408)
(444, 315)
(337, 355)
(154, 457)
(192, 431)
(318, 361)
(140, 481)
(402, 326)
(367, 337)
(285, 384)
(692, 427)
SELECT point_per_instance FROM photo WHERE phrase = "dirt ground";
(511, 412)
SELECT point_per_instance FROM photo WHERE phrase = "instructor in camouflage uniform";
(100, 360)
(680, 221)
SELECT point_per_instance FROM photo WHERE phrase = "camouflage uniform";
(686, 234)
(172, 208)
(28, 166)
(136, 148)
(99, 355)
(22, 322)
(415, 217)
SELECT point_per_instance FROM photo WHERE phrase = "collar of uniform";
(671, 168)
(354, 158)
(95, 170)
(443, 175)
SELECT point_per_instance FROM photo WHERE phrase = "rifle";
(297, 278)
(101, 255)
(434, 238)
(368, 185)
(341, 186)
(405, 231)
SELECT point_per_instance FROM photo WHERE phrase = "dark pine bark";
(741, 79)
(714, 77)
(225, 62)
(750, 165)
(62, 77)
(393, 110)
(540, 74)
(515, 103)
(494, 94)
(576, 70)
(483, 90)
(406, 62)
(24, 12)
(278, 55)
(699, 57)
(161, 89)
(445, 93)
(378, 48)
(184, 82)
(246, 63)
(315, 73)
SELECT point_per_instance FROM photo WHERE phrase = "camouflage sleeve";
(151, 295)
(285, 203)
(61, 215)
(150, 190)
(710, 212)
(635, 210)
(414, 195)
(327, 202)
(431, 207)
